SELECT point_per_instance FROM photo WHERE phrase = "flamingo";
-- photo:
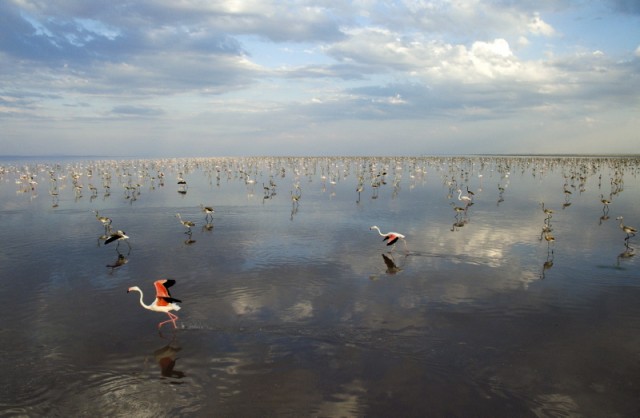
(106, 222)
(186, 224)
(466, 199)
(470, 193)
(163, 302)
(118, 236)
(208, 210)
(391, 237)
(629, 230)
(458, 209)
(605, 202)
(546, 211)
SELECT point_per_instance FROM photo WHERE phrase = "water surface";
(292, 306)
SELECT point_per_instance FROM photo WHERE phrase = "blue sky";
(366, 77)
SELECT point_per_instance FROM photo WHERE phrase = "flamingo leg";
(172, 319)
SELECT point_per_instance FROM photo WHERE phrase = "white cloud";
(348, 67)
(538, 27)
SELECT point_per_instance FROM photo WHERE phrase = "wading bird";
(106, 222)
(606, 204)
(458, 209)
(391, 237)
(163, 302)
(118, 236)
(629, 230)
(186, 224)
(466, 199)
(546, 211)
(208, 210)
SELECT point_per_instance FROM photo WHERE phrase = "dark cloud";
(136, 111)
(68, 38)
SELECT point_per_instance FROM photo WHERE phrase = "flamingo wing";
(111, 239)
(164, 300)
(392, 239)
(162, 291)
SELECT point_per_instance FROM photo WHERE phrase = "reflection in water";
(459, 223)
(548, 263)
(120, 261)
(166, 357)
(501, 190)
(54, 198)
(461, 217)
(626, 254)
(392, 268)
(296, 195)
(359, 189)
(604, 217)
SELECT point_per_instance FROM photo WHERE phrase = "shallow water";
(291, 309)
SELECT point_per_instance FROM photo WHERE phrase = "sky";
(187, 78)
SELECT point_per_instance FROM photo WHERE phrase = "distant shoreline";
(134, 157)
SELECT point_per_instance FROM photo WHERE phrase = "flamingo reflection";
(547, 264)
(627, 253)
(166, 357)
(458, 224)
(119, 262)
(392, 267)
(190, 240)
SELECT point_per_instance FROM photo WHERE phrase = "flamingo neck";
(142, 300)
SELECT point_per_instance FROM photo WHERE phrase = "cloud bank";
(187, 78)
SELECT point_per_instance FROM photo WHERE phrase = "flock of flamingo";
(456, 173)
